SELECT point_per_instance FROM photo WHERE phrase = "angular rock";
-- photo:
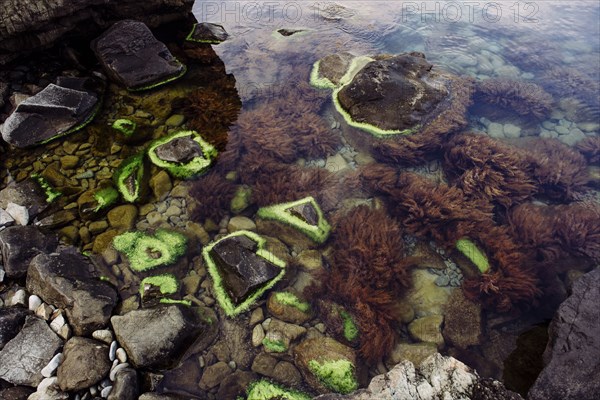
(572, 356)
(67, 281)
(206, 32)
(20, 244)
(235, 385)
(11, 321)
(28, 194)
(125, 386)
(213, 375)
(131, 55)
(23, 358)
(179, 150)
(85, 363)
(53, 112)
(333, 67)
(5, 218)
(152, 343)
(462, 321)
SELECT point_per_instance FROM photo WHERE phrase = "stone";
(425, 296)
(495, 130)
(149, 342)
(335, 163)
(264, 364)
(572, 356)
(66, 280)
(5, 219)
(574, 136)
(96, 227)
(20, 244)
(161, 185)
(28, 194)
(131, 55)
(462, 321)
(589, 126)
(85, 363)
(236, 344)
(310, 260)
(428, 329)
(288, 307)
(285, 373)
(334, 66)
(234, 385)
(125, 386)
(52, 366)
(175, 120)
(122, 217)
(213, 375)
(416, 353)
(240, 223)
(512, 131)
(48, 389)
(23, 357)
(206, 32)
(69, 162)
(16, 392)
(258, 334)
(53, 112)
(104, 240)
(18, 213)
(11, 322)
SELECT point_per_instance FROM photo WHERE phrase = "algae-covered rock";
(206, 32)
(146, 252)
(125, 126)
(266, 390)
(184, 154)
(287, 306)
(130, 178)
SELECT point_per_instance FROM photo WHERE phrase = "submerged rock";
(206, 32)
(53, 112)
(131, 55)
(11, 321)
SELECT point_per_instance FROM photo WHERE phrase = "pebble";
(2, 274)
(115, 369)
(121, 355)
(232, 364)
(256, 316)
(44, 311)
(512, 131)
(19, 298)
(265, 324)
(258, 334)
(34, 302)
(561, 130)
(51, 367)
(105, 392)
(19, 213)
(442, 280)
(112, 353)
(172, 211)
(496, 130)
(455, 282)
(57, 323)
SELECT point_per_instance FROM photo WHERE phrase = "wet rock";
(67, 280)
(122, 217)
(48, 389)
(425, 296)
(5, 218)
(416, 353)
(428, 329)
(28, 194)
(85, 363)
(264, 364)
(462, 321)
(489, 389)
(150, 342)
(235, 343)
(132, 56)
(213, 375)
(572, 356)
(288, 307)
(240, 223)
(125, 386)
(20, 244)
(235, 385)
(161, 185)
(285, 373)
(11, 321)
(53, 112)
(18, 213)
(179, 150)
(206, 32)
(22, 358)
(333, 67)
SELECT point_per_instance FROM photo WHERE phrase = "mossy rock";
(51, 192)
(146, 252)
(131, 178)
(266, 390)
(126, 127)
(470, 250)
(289, 307)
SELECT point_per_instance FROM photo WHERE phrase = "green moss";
(290, 299)
(317, 80)
(350, 328)
(265, 390)
(473, 253)
(336, 375)
(129, 177)
(278, 212)
(146, 252)
(163, 82)
(276, 346)
(125, 126)
(167, 284)
(105, 197)
(195, 167)
(173, 301)
(51, 193)
(240, 200)
(230, 308)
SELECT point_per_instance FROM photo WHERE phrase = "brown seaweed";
(212, 194)
(590, 148)
(524, 98)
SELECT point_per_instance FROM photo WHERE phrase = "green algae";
(290, 299)
(129, 178)
(146, 252)
(105, 197)
(125, 126)
(276, 346)
(350, 328)
(335, 375)
(167, 284)
(51, 193)
(473, 253)
(266, 390)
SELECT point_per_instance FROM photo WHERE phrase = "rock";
(489, 389)
(69, 162)
(235, 385)
(206, 32)
(280, 334)
(264, 364)
(52, 366)
(104, 335)
(335, 163)
(428, 329)
(66, 280)
(11, 321)
(561, 130)
(149, 342)
(28, 194)
(85, 363)
(258, 334)
(131, 55)
(333, 67)
(53, 112)
(512, 131)
(20, 244)
(122, 217)
(310, 260)
(288, 307)
(495, 130)
(240, 223)
(589, 126)
(572, 356)
(413, 352)
(17, 392)
(125, 386)
(19, 298)
(18, 213)
(285, 373)
(23, 357)
(175, 120)
(235, 343)
(462, 321)
(161, 185)
(5, 218)
(425, 296)
(574, 136)
(213, 375)
(48, 389)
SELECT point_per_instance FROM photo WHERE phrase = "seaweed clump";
(590, 148)
(212, 194)
(527, 99)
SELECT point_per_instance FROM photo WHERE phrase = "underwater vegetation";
(590, 148)
(212, 194)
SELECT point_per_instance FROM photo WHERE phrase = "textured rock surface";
(125, 386)
(23, 358)
(31, 24)
(66, 280)
(20, 244)
(572, 356)
(462, 321)
(11, 321)
(84, 364)
(27, 194)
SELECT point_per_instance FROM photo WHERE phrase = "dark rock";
(234, 344)
(4, 90)
(16, 393)
(180, 150)
(53, 112)
(524, 364)
(150, 342)
(85, 363)
(157, 396)
(11, 321)
(125, 386)
(214, 375)
(289, 32)
(206, 32)
(183, 380)
(285, 373)
(394, 93)
(234, 385)
(28, 194)
(572, 356)
(67, 280)
(131, 55)
(264, 364)
(306, 212)
(22, 359)
(20, 244)
(462, 321)
(489, 389)
(243, 271)
(334, 66)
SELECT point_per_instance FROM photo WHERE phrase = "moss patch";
(167, 284)
(290, 299)
(125, 126)
(105, 197)
(350, 328)
(336, 375)
(473, 253)
(51, 193)
(129, 178)
(146, 252)
(276, 346)
(265, 390)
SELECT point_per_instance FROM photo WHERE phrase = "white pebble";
(112, 353)
(105, 392)
(19, 298)
(19, 213)
(103, 335)
(2, 274)
(94, 391)
(114, 370)
(121, 355)
(57, 323)
(49, 369)
(46, 383)
(34, 302)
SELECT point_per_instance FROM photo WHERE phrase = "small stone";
(172, 211)
(58, 322)
(49, 369)
(19, 214)
(512, 131)
(442, 280)
(256, 316)
(428, 329)
(310, 260)
(154, 218)
(122, 217)
(336, 163)
(97, 227)
(175, 120)
(495, 130)
(105, 392)
(5, 219)
(34, 302)
(65, 332)
(115, 369)
(44, 311)
(213, 375)
(561, 130)
(19, 298)
(161, 185)
(112, 352)
(589, 126)
(69, 162)
(121, 355)
(258, 334)
(239, 223)
(103, 335)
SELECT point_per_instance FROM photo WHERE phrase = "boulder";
(572, 356)
(150, 342)
(85, 363)
(131, 55)
(22, 358)
(53, 112)
(20, 244)
(11, 321)
(66, 280)
(28, 194)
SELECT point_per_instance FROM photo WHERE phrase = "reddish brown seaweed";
(524, 98)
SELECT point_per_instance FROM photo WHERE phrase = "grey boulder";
(20, 244)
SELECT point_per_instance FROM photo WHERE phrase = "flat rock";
(68, 281)
(11, 321)
(20, 244)
(23, 358)
(85, 363)
(28, 194)
(132, 56)
(334, 66)
(572, 356)
(150, 342)
(428, 329)
(179, 150)
(53, 112)
(122, 217)
(16, 393)
(235, 385)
